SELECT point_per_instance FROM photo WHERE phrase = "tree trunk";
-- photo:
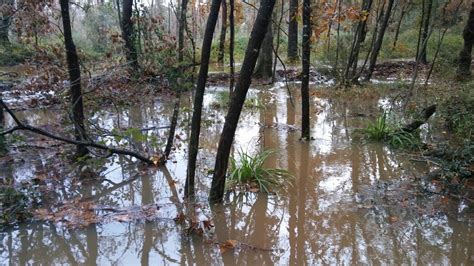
(199, 97)
(182, 28)
(465, 55)
(265, 59)
(127, 34)
(424, 34)
(75, 91)
(378, 42)
(225, 142)
(293, 31)
(3, 147)
(305, 127)
(403, 12)
(359, 38)
(6, 9)
(220, 57)
(231, 46)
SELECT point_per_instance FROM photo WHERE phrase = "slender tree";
(199, 97)
(75, 91)
(264, 66)
(378, 42)
(182, 29)
(220, 56)
(3, 147)
(225, 142)
(465, 57)
(305, 61)
(127, 34)
(426, 27)
(231, 45)
(6, 11)
(293, 31)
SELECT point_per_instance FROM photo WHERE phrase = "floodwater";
(352, 201)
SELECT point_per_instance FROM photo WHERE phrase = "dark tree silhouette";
(379, 40)
(264, 68)
(231, 45)
(6, 10)
(199, 97)
(425, 32)
(127, 34)
(465, 56)
(305, 61)
(220, 56)
(293, 31)
(77, 109)
(235, 108)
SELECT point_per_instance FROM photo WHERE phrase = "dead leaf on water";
(228, 245)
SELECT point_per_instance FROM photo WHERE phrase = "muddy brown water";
(352, 202)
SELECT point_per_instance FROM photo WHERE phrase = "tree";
(426, 26)
(3, 147)
(305, 61)
(182, 28)
(231, 45)
(264, 68)
(220, 56)
(6, 11)
(465, 57)
(359, 37)
(127, 34)
(293, 31)
(199, 97)
(235, 107)
(378, 42)
(75, 91)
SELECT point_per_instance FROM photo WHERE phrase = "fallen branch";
(425, 115)
(112, 150)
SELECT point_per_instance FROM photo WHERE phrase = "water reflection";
(350, 204)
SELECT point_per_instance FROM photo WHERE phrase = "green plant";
(250, 170)
(378, 130)
(13, 206)
(404, 140)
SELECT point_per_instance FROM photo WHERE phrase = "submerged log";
(426, 113)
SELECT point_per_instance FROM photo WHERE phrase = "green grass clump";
(250, 171)
(382, 130)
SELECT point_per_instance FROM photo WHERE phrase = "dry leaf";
(228, 245)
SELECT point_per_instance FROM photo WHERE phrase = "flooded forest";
(236, 132)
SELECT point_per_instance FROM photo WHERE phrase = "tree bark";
(379, 41)
(75, 91)
(182, 28)
(6, 9)
(127, 34)
(264, 68)
(306, 56)
(359, 38)
(293, 31)
(199, 97)
(225, 142)
(231, 46)
(465, 57)
(3, 147)
(220, 57)
(424, 34)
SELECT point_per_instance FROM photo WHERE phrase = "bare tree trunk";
(424, 35)
(403, 12)
(74, 80)
(277, 46)
(293, 31)
(6, 10)
(378, 42)
(127, 34)
(465, 57)
(220, 57)
(199, 97)
(231, 46)
(225, 142)
(265, 58)
(182, 28)
(359, 38)
(3, 147)
(306, 56)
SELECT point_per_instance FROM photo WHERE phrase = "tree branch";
(113, 150)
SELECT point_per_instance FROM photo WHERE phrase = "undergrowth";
(249, 171)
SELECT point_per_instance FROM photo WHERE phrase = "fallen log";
(426, 113)
(20, 126)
